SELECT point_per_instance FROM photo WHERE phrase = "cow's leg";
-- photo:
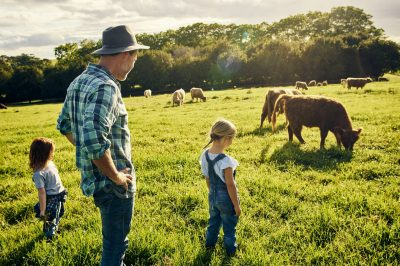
(263, 116)
(338, 140)
(324, 133)
(297, 133)
(290, 132)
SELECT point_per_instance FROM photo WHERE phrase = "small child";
(223, 199)
(51, 191)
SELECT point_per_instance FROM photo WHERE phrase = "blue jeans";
(116, 215)
(222, 213)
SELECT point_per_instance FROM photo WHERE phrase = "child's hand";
(43, 217)
(238, 211)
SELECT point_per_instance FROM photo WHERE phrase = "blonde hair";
(41, 151)
(221, 128)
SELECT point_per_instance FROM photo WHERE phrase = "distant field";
(300, 205)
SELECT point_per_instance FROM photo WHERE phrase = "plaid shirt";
(96, 116)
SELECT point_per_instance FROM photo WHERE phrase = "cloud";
(35, 40)
(37, 24)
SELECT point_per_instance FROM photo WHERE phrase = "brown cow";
(316, 111)
(270, 99)
(357, 82)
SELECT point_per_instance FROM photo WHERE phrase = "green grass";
(300, 205)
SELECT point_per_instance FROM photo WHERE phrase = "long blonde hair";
(221, 128)
(41, 151)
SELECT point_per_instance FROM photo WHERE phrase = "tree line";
(312, 46)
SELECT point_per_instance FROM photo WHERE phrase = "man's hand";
(124, 178)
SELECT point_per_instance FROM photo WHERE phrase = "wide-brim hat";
(119, 39)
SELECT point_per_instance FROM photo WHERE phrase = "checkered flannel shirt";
(95, 114)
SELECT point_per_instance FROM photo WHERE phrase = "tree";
(379, 56)
(151, 71)
(25, 84)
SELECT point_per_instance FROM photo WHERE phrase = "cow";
(357, 82)
(147, 93)
(316, 111)
(178, 97)
(197, 93)
(270, 99)
(383, 79)
(301, 85)
(312, 83)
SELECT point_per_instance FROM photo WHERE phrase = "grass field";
(300, 205)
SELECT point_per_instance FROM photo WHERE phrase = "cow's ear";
(359, 130)
(338, 130)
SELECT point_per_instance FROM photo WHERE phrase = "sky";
(38, 26)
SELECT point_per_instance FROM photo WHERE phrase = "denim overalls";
(221, 210)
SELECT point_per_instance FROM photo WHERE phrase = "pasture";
(300, 205)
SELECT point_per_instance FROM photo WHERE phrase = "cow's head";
(369, 80)
(347, 136)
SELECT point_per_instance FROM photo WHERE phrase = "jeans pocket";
(103, 199)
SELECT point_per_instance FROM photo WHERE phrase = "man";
(95, 120)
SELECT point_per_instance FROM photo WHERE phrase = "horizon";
(68, 21)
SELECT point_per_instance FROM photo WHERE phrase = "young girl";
(219, 171)
(51, 192)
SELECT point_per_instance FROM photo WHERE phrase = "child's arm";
(42, 200)
(208, 182)
(230, 184)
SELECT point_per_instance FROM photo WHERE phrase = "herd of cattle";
(349, 82)
(301, 110)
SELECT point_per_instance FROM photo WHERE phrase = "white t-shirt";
(219, 166)
(49, 179)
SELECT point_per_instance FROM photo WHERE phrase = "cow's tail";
(280, 101)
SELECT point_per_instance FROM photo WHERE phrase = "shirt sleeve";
(100, 115)
(229, 162)
(204, 165)
(38, 179)
(64, 121)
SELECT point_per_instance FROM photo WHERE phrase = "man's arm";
(70, 138)
(107, 167)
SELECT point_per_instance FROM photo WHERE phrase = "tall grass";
(300, 205)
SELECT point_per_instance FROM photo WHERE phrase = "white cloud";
(31, 25)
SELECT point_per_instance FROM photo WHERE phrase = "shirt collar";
(95, 67)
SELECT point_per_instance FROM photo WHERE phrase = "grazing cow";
(316, 111)
(319, 84)
(301, 85)
(325, 83)
(343, 82)
(197, 93)
(383, 79)
(270, 99)
(312, 83)
(2, 106)
(178, 97)
(147, 93)
(357, 82)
